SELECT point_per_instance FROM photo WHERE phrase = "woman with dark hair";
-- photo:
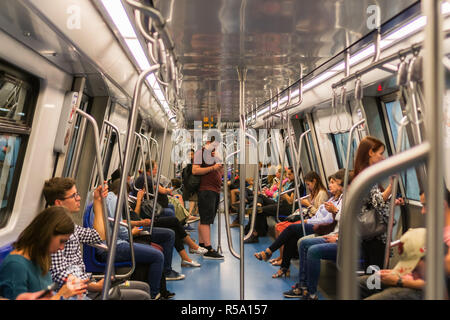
(370, 151)
(289, 237)
(268, 207)
(311, 251)
(26, 268)
(318, 195)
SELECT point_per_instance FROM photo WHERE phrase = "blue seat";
(4, 251)
(91, 262)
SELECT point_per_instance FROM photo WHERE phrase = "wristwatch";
(400, 282)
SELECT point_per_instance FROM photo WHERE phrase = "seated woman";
(318, 195)
(176, 192)
(163, 193)
(311, 251)
(290, 236)
(26, 268)
(268, 207)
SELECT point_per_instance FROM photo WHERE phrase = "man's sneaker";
(173, 275)
(200, 250)
(157, 297)
(167, 295)
(293, 293)
(213, 254)
(191, 263)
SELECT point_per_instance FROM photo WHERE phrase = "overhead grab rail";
(377, 64)
(288, 107)
(123, 188)
(160, 48)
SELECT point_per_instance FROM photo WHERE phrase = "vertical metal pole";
(158, 174)
(294, 164)
(255, 192)
(281, 178)
(242, 73)
(144, 167)
(227, 213)
(434, 90)
(347, 164)
(132, 119)
(399, 148)
(77, 152)
(99, 168)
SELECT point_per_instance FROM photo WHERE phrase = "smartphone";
(49, 289)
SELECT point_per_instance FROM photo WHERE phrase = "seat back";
(91, 262)
(4, 251)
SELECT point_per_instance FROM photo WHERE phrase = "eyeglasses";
(74, 196)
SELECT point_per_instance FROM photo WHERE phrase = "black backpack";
(191, 182)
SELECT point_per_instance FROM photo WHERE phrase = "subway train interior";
(287, 88)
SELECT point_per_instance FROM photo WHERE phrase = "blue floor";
(219, 279)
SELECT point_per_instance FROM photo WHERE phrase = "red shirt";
(212, 181)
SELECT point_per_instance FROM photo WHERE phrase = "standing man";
(205, 165)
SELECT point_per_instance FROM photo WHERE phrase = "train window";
(17, 101)
(340, 142)
(13, 98)
(9, 152)
(410, 181)
(108, 154)
(377, 128)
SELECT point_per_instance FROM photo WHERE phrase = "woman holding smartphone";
(26, 268)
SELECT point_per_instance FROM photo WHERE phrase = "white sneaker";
(200, 250)
(192, 263)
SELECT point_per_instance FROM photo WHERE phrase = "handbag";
(324, 228)
(296, 215)
(147, 209)
(370, 224)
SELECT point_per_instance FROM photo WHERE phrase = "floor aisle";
(219, 279)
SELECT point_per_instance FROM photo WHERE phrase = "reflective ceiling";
(270, 38)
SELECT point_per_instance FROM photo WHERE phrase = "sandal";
(263, 255)
(283, 272)
(275, 261)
